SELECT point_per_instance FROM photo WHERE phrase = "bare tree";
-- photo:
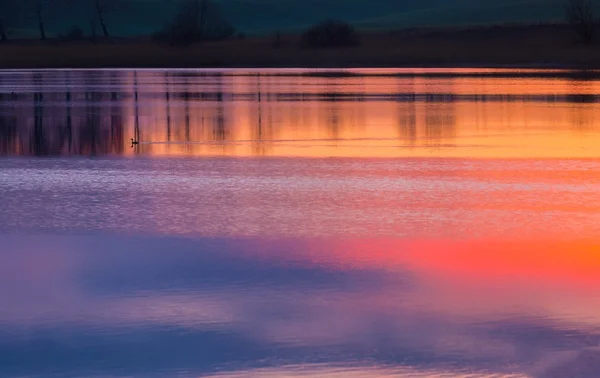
(101, 7)
(330, 33)
(580, 16)
(98, 11)
(41, 9)
(197, 20)
(38, 12)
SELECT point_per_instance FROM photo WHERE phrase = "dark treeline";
(93, 19)
(39, 17)
(190, 21)
(196, 20)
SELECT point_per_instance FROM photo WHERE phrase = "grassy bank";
(527, 46)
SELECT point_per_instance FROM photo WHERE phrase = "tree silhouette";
(101, 8)
(196, 20)
(580, 15)
(98, 11)
(330, 33)
(38, 142)
(40, 8)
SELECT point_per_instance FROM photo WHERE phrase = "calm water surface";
(407, 223)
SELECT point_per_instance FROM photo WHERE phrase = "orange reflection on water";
(485, 117)
(556, 280)
(569, 262)
(237, 113)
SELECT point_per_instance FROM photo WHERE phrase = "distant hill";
(142, 17)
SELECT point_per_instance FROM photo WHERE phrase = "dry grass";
(492, 46)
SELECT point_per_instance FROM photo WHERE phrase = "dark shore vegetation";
(579, 14)
(329, 34)
(196, 21)
(199, 35)
(517, 45)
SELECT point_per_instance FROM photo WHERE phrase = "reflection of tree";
(186, 106)
(8, 127)
(261, 122)
(90, 132)
(68, 126)
(8, 134)
(407, 116)
(116, 119)
(220, 133)
(168, 105)
(424, 115)
(440, 120)
(69, 105)
(136, 106)
(102, 129)
(407, 121)
(581, 118)
(259, 147)
(332, 110)
(136, 110)
(333, 119)
(219, 126)
(38, 145)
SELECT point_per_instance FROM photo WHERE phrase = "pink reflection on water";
(445, 297)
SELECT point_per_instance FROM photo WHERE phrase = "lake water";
(288, 223)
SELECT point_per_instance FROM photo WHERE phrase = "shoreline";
(123, 65)
(520, 70)
(340, 67)
(494, 47)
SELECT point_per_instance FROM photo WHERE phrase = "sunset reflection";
(370, 308)
(553, 279)
(242, 114)
(378, 117)
(292, 223)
